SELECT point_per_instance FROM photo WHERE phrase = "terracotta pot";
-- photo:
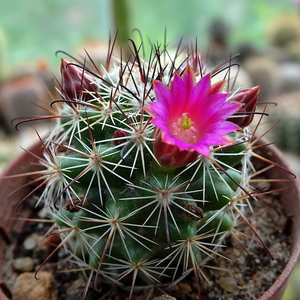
(290, 197)
(21, 164)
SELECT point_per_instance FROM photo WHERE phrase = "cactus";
(148, 167)
(286, 131)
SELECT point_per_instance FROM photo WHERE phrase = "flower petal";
(192, 116)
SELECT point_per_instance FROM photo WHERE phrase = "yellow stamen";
(185, 122)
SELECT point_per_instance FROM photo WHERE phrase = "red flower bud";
(75, 81)
(169, 155)
(244, 115)
(119, 137)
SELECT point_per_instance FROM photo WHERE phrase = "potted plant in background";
(151, 170)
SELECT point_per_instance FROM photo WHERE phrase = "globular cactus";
(286, 131)
(148, 167)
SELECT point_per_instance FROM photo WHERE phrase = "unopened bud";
(76, 83)
(119, 137)
(245, 113)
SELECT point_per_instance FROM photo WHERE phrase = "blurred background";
(266, 33)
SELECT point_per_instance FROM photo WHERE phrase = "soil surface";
(250, 271)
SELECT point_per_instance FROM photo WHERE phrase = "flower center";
(185, 130)
(185, 122)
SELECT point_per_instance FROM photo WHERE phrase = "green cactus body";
(129, 207)
(162, 208)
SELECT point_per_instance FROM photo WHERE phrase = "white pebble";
(23, 264)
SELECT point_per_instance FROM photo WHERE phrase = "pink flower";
(192, 116)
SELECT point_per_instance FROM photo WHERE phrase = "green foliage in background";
(39, 28)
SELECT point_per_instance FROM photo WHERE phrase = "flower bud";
(169, 155)
(119, 137)
(245, 113)
(75, 81)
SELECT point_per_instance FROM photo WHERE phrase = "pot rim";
(277, 289)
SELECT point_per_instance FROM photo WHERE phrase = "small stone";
(236, 252)
(241, 282)
(43, 213)
(76, 287)
(30, 243)
(27, 287)
(228, 284)
(254, 277)
(273, 263)
(23, 264)
(174, 288)
(185, 288)
(164, 297)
